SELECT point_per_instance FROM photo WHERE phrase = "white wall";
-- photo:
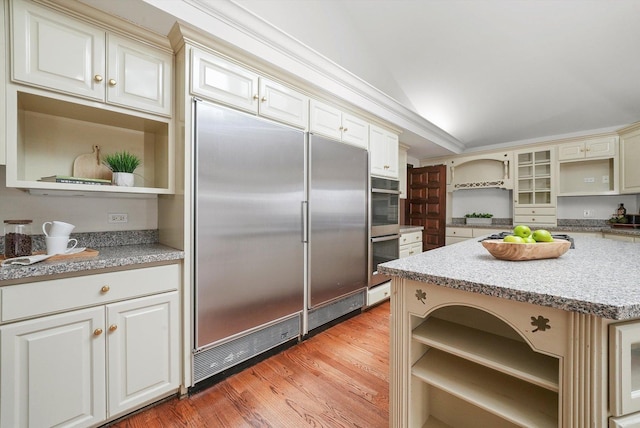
(603, 207)
(87, 213)
(492, 201)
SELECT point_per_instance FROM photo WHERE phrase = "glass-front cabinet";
(534, 198)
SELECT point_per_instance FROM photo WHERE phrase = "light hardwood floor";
(337, 378)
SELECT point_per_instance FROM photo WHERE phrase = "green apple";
(513, 239)
(542, 235)
(522, 231)
(529, 240)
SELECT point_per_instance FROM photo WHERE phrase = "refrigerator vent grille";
(335, 310)
(214, 360)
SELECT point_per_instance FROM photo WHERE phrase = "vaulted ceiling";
(491, 73)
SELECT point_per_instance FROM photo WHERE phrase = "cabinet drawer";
(535, 211)
(43, 297)
(461, 232)
(549, 220)
(379, 293)
(410, 238)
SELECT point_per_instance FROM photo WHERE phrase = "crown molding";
(237, 27)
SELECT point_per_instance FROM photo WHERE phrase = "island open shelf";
(514, 400)
(499, 353)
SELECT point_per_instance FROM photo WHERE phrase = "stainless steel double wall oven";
(385, 226)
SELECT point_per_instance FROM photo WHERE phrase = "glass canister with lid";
(17, 238)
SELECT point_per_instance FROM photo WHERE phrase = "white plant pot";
(122, 179)
(478, 221)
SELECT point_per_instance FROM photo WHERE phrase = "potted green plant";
(478, 218)
(122, 165)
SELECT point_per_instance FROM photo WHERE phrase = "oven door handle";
(388, 191)
(385, 238)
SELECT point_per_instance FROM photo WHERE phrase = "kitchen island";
(477, 341)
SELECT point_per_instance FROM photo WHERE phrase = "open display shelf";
(52, 132)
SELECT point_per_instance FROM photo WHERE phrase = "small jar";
(17, 238)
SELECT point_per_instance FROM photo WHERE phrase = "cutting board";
(88, 252)
(90, 166)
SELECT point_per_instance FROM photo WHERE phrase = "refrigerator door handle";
(305, 222)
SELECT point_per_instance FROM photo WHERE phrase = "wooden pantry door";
(426, 203)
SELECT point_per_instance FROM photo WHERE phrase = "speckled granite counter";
(560, 228)
(109, 257)
(599, 277)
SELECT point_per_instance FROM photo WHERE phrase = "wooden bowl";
(514, 251)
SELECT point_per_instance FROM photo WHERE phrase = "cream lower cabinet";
(460, 359)
(410, 244)
(83, 367)
(457, 234)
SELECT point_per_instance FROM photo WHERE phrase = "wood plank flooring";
(337, 378)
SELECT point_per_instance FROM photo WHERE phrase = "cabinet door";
(325, 119)
(3, 65)
(53, 371)
(57, 52)
(624, 385)
(355, 131)
(138, 76)
(383, 146)
(535, 181)
(605, 147)
(571, 151)
(220, 80)
(630, 159)
(283, 104)
(143, 350)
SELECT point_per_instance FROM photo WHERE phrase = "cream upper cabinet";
(55, 51)
(227, 82)
(224, 81)
(630, 159)
(281, 103)
(534, 200)
(138, 76)
(384, 147)
(334, 123)
(402, 171)
(597, 148)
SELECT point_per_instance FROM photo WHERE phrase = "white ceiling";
(488, 72)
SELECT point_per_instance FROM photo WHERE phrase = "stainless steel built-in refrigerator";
(338, 227)
(261, 192)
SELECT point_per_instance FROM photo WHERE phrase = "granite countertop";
(108, 257)
(409, 229)
(574, 228)
(598, 277)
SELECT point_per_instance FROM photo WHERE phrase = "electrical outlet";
(118, 218)
(587, 213)
(589, 179)
(605, 179)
